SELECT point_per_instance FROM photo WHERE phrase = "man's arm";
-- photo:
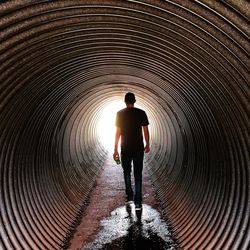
(146, 136)
(117, 138)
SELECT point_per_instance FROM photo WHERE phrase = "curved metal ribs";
(62, 61)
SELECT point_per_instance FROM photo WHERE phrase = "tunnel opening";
(106, 121)
(106, 124)
(61, 62)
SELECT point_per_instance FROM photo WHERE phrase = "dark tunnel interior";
(62, 62)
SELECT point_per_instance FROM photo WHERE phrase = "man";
(130, 122)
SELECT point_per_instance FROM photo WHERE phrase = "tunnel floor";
(108, 223)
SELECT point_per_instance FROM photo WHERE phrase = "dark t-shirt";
(131, 120)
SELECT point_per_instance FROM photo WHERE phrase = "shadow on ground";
(127, 229)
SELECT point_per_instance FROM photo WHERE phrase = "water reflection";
(127, 229)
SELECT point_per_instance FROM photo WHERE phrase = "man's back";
(131, 120)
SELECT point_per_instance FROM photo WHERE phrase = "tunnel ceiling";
(61, 62)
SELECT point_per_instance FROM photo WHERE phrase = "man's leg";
(138, 166)
(126, 160)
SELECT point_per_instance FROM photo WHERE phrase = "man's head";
(129, 98)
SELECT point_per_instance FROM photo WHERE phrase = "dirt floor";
(107, 196)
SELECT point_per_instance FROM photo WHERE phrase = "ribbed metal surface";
(61, 62)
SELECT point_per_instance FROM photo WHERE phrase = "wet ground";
(108, 223)
(130, 229)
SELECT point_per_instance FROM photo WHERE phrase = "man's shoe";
(129, 202)
(138, 207)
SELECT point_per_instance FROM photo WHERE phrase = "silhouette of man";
(130, 122)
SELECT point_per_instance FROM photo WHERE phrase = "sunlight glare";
(106, 124)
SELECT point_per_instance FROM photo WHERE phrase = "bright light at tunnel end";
(106, 124)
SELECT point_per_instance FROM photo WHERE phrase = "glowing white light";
(106, 124)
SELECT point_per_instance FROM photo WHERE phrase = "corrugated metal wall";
(61, 62)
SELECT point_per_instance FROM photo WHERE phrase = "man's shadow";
(137, 237)
(128, 229)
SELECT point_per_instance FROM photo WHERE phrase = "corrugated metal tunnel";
(62, 62)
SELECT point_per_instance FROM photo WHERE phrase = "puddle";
(125, 229)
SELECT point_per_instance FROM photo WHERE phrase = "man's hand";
(146, 149)
(115, 154)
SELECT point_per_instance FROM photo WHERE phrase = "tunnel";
(62, 62)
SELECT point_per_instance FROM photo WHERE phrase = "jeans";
(126, 159)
